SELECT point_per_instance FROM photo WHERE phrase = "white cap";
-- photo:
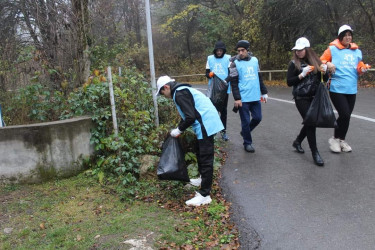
(301, 43)
(162, 81)
(343, 28)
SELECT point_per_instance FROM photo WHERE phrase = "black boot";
(317, 159)
(298, 147)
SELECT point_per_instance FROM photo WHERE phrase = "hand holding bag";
(217, 92)
(307, 87)
(320, 113)
(172, 161)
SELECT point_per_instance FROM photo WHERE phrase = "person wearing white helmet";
(344, 62)
(196, 110)
(304, 75)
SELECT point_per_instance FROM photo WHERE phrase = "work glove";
(264, 98)
(365, 68)
(211, 74)
(331, 67)
(176, 132)
(306, 70)
(323, 68)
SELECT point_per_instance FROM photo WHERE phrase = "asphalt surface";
(281, 200)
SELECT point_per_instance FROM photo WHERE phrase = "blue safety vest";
(248, 79)
(345, 79)
(219, 66)
(210, 117)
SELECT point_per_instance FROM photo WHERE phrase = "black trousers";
(224, 112)
(303, 105)
(205, 157)
(344, 104)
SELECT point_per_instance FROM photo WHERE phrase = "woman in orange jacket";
(344, 62)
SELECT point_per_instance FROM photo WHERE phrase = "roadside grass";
(79, 213)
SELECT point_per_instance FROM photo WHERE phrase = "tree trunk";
(82, 54)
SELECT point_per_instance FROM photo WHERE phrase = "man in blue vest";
(196, 110)
(248, 90)
(218, 64)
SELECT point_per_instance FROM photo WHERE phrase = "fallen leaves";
(281, 83)
(206, 227)
(98, 210)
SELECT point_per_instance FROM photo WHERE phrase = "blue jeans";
(255, 109)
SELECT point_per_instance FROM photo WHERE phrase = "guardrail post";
(269, 76)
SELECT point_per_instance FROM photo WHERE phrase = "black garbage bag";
(320, 113)
(307, 87)
(172, 161)
(217, 92)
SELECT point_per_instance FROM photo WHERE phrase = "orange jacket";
(327, 57)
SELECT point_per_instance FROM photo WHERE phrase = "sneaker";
(198, 200)
(345, 146)
(196, 182)
(224, 136)
(334, 145)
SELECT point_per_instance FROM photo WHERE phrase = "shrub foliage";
(116, 156)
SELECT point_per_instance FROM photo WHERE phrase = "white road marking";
(281, 100)
(353, 115)
(201, 89)
(362, 117)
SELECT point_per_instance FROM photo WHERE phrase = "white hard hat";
(162, 81)
(301, 43)
(343, 28)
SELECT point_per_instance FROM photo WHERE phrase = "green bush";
(31, 104)
(116, 158)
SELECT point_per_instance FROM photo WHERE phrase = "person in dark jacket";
(305, 65)
(196, 110)
(218, 64)
(248, 90)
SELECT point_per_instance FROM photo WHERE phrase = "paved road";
(281, 200)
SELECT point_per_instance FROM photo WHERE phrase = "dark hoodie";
(185, 100)
(218, 45)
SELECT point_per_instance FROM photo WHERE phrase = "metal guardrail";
(273, 71)
(262, 71)
(188, 75)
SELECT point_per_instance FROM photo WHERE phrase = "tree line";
(59, 42)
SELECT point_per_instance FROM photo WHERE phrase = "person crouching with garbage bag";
(196, 110)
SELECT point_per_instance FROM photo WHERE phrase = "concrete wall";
(38, 152)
